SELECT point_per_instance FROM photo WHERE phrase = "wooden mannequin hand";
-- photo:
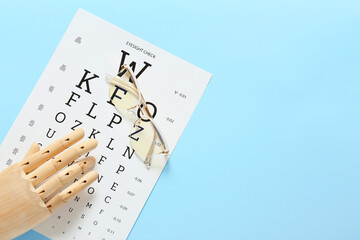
(24, 202)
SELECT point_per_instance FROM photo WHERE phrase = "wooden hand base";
(21, 207)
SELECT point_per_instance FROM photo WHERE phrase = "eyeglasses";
(145, 137)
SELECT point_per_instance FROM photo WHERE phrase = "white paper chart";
(72, 93)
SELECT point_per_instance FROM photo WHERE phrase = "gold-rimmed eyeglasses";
(145, 137)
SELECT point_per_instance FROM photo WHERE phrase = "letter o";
(58, 115)
(152, 115)
(91, 190)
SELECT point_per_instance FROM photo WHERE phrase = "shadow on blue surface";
(32, 235)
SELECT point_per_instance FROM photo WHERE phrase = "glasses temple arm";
(133, 78)
(162, 139)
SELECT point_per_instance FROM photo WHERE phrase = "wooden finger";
(33, 149)
(61, 198)
(65, 176)
(35, 160)
(53, 165)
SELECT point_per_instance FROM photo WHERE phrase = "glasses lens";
(122, 92)
(144, 140)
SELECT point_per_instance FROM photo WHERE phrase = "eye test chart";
(72, 93)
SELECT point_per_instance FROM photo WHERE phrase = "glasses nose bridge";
(144, 109)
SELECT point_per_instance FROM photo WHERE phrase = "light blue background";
(272, 150)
